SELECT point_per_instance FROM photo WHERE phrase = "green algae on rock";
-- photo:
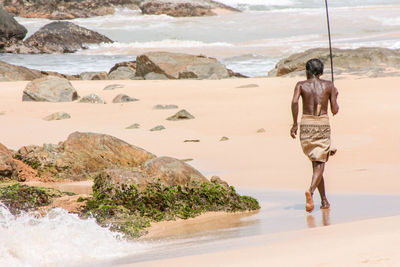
(18, 197)
(129, 210)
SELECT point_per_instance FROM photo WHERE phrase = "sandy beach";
(365, 132)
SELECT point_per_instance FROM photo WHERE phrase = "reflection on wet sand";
(325, 216)
(208, 222)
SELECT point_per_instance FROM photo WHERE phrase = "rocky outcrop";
(65, 9)
(64, 37)
(9, 72)
(370, 60)
(11, 35)
(50, 89)
(183, 8)
(83, 155)
(180, 66)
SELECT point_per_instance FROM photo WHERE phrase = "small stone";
(113, 86)
(252, 85)
(157, 128)
(133, 126)
(165, 106)
(191, 141)
(261, 130)
(92, 98)
(181, 115)
(91, 75)
(57, 116)
(224, 138)
(122, 98)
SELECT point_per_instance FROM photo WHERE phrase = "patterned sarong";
(315, 137)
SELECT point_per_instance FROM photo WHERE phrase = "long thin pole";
(329, 35)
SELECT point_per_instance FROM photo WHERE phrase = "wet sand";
(365, 132)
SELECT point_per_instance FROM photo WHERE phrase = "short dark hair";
(315, 67)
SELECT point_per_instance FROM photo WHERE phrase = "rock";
(133, 126)
(218, 180)
(83, 155)
(113, 86)
(94, 75)
(157, 128)
(93, 99)
(9, 72)
(261, 130)
(8, 168)
(345, 60)
(172, 171)
(123, 71)
(252, 85)
(182, 8)
(224, 138)
(10, 28)
(64, 37)
(155, 76)
(181, 115)
(236, 74)
(165, 106)
(122, 98)
(180, 66)
(61, 10)
(57, 116)
(119, 179)
(50, 89)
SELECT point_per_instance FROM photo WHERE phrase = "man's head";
(314, 67)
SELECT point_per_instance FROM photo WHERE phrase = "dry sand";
(366, 132)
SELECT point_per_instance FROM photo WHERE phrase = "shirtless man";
(316, 94)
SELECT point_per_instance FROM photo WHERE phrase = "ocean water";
(250, 42)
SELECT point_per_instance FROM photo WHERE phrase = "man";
(315, 130)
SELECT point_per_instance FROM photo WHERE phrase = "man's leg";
(318, 170)
(321, 189)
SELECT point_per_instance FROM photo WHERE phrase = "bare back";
(315, 94)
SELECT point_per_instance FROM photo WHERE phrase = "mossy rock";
(17, 197)
(130, 210)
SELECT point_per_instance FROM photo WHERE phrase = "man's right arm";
(295, 109)
(333, 100)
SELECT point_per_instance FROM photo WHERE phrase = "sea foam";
(58, 239)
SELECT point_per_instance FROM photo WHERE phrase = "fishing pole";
(329, 35)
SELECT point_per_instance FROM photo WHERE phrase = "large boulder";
(180, 66)
(123, 71)
(172, 171)
(364, 59)
(83, 155)
(183, 8)
(50, 89)
(10, 28)
(69, 9)
(64, 37)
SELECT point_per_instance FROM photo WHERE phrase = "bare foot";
(325, 204)
(309, 201)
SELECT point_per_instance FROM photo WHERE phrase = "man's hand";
(293, 131)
